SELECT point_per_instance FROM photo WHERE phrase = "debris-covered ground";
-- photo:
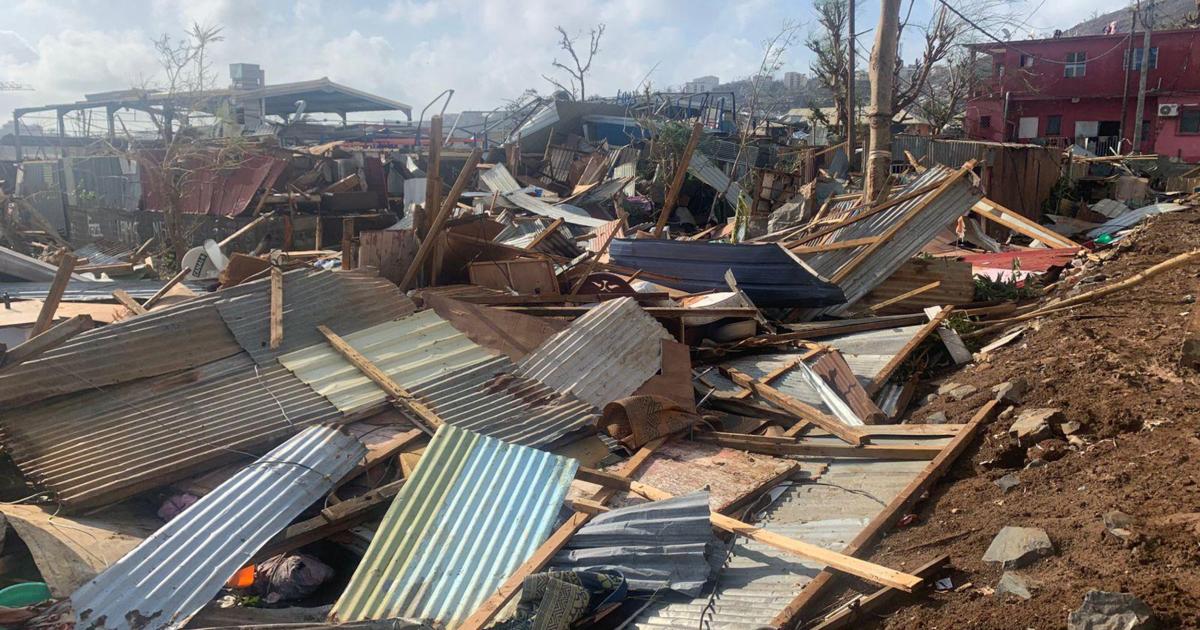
(1112, 367)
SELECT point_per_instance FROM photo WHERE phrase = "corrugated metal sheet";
(487, 399)
(655, 546)
(704, 170)
(938, 211)
(215, 187)
(172, 574)
(498, 179)
(474, 509)
(521, 233)
(99, 446)
(22, 267)
(345, 301)
(604, 355)
(101, 253)
(87, 291)
(465, 384)
(757, 581)
(1132, 218)
(412, 350)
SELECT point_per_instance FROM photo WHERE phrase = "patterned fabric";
(636, 420)
(557, 600)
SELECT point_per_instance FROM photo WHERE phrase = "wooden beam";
(865, 214)
(50, 339)
(854, 613)
(540, 558)
(904, 296)
(1014, 221)
(656, 311)
(423, 416)
(433, 167)
(898, 359)
(178, 277)
(541, 236)
(57, 287)
(775, 374)
(439, 221)
(333, 519)
(848, 564)
(681, 169)
(801, 410)
(787, 445)
(954, 344)
(835, 245)
(900, 505)
(126, 300)
(833, 369)
(526, 300)
(276, 307)
(124, 267)
(591, 263)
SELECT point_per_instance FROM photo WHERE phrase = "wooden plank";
(774, 375)
(834, 370)
(126, 300)
(433, 167)
(788, 445)
(525, 300)
(276, 307)
(874, 308)
(52, 338)
(57, 287)
(890, 203)
(178, 277)
(842, 562)
(954, 344)
(541, 236)
(443, 215)
(835, 245)
(656, 311)
(333, 519)
(422, 416)
(1014, 221)
(899, 358)
(900, 505)
(540, 558)
(591, 263)
(109, 268)
(801, 410)
(854, 613)
(348, 244)
(681, 169)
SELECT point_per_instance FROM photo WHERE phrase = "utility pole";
(851, 118)
(1147, 25)
(883, 68)
(1133, 19)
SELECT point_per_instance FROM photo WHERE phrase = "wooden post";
(128, 302)
(276, 307)
(61, 278)
(347, 244)
(677, 181)
(443, 215)
(1140, 110)
(433, 170)
(52, 338)
(883, 66)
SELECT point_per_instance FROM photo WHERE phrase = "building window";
(985, 122)
(1189, 121)
(1134, 60)
(1026, 61)
(1054, 125)
(1076, 65)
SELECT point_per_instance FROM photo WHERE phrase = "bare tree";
(831, 47)
(946, 91)
(577, 76)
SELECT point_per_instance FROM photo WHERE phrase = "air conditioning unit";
(1168, 109)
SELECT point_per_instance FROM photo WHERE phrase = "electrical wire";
(979, 28)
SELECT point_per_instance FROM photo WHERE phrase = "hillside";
(1168, 14)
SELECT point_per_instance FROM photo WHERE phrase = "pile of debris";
(563, 388)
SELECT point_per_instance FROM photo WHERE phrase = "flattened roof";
(474, 509)
(171, 575)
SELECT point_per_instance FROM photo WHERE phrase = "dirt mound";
(1111, 367)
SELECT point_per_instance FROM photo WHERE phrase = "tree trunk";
(883, 64)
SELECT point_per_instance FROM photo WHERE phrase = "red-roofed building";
(1074, 90)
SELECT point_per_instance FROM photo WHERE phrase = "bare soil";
(1111, 366)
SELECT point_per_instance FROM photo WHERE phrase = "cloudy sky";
(409, 50)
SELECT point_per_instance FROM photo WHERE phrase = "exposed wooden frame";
(799, 607)
(835, 245)
(900, 357)
(126, 300)
(58, 286)
(439, 221)
(853, 613)
(681, 169)
(541, 236)
(788, 445)
(904, 296)
(50, 339)
(178, 277)
(801, 410)
(1014, 221)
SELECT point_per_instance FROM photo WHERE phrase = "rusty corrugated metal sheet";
(474, 510)
(604, 355)
(171, 575)
(214, 188)
(465, 384)
(99, 446)
(345, 301)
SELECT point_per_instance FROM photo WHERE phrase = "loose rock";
(1033, 425)
(1102, 610)
(1016, 585)
(1016, 547)
(1008, 482)
(947, 387)
(938, 417)
(961, 392)
(1119, 524)
(1011, 391)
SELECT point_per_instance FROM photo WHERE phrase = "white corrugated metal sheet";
(703, 169)
(172, 574)
(498, 179)
(604, 355)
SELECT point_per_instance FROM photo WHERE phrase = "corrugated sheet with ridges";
(345, 301)
(604, 355)
(474, 509)
(97, 447)
(171, 575)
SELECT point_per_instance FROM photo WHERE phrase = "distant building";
(701, 84)
(1083, 91)
(795, 81)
